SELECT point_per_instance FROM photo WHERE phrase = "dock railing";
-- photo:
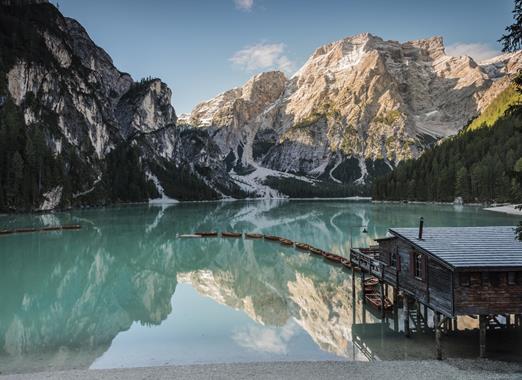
(368, 260)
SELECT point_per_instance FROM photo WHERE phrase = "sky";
(201, 48)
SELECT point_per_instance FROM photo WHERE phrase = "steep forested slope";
(481, 163)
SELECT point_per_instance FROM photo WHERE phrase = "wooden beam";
(362, 286)
(406, 310)
(426, 324)
(482, 325)
(354, 300)
(419, 316)
(438, 333)
(395, 309)
(383, 311)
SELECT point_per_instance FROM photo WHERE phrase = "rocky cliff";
(103, 136)
(355, 109)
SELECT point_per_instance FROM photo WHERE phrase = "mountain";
(354, 110)
(482, 163)
(74, 130)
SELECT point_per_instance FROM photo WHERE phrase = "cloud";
(266, 339)
(262, 56)
(244, 5)
(478, 51)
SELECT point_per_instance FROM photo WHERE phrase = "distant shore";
(404, 370)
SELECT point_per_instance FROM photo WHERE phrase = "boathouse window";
(417, 266)
(393, 258)
(490, 279)
(494, 279)
(465, 279)
(512, 278)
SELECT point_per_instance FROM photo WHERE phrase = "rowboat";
(231, 234)
(302, 246)
(371, 282)
(375, 300)
(286, 242)
(346, 263)
(71, 227)
(207, 234)
(334, 258)
(253, 236)
(21, 230)
(272, 238)
(315, 251)
(189, 236)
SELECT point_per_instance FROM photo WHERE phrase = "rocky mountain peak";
(433, 47)
(356, 107)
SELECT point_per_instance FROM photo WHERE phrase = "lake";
(124, 291)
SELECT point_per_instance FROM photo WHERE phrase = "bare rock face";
(358, 98)
(87, 109)
(235, 116)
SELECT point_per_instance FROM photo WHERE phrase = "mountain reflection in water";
(66, 296)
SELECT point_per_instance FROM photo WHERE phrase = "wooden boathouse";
(454, 271)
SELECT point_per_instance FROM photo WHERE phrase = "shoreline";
(503, 208)
(428, 369)
(506, 209)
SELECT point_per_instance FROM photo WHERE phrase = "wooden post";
(455, 324)
(508, 321)
(419, 316)
(482, 324)
(406, 309)
(362, 286)
(395, 309)
(426, 324)
(438, 333)
(383, 312)
(354, 301)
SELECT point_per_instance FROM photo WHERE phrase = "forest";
(483, 164)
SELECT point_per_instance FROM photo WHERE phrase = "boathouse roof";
(467, 247)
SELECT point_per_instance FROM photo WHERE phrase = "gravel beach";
(450, 369)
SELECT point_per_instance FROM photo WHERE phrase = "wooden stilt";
(482, 324)
(455, 324)
(438, 334)
(362, 287)
(426, 324)
(406, 309)
(383, 311)
(508, 321)
(395, 310)
(354, 300)
(419, 316)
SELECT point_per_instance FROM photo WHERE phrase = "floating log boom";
(24, 230)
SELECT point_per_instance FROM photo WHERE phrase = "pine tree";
(512, 40)
(462, 186)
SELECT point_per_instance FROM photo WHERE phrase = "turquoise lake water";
(124, 291)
